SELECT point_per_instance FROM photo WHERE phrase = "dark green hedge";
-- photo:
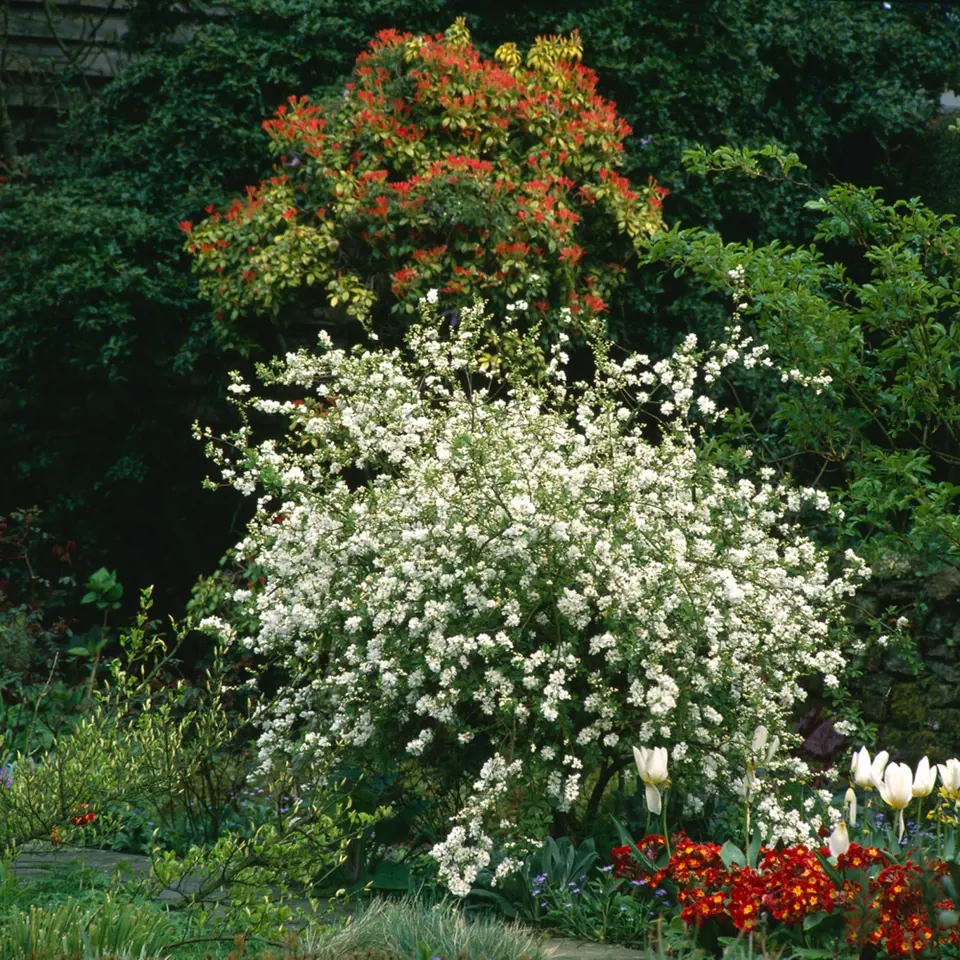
(106, 356)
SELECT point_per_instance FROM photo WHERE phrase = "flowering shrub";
(511, 580)
(880, 903)
(436, 168)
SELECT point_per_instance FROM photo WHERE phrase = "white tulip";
(950, 777)
(750, 782)
(879, 765)
(867, 774)
(924, 779)
(652, 767)
(896, 788)
(839, 841)
(763, 751)
(850, 799)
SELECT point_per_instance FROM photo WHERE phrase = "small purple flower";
(606, 869)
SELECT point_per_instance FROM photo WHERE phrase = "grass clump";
(412, 929)
(74, 931)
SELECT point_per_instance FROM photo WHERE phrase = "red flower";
(403, 278)
(186, 225)
(596, 304)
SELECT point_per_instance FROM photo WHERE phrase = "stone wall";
(917, 713)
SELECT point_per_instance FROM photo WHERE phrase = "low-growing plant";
(111, 931)
(842, 899)
(557, 864)
(409, 928)
(150, 748)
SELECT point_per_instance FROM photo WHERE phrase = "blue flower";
(606, 869)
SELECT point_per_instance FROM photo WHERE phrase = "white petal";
(839, 839)
(639, 755)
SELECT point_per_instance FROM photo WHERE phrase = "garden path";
(38, 859)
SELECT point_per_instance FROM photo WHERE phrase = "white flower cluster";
(521, 575)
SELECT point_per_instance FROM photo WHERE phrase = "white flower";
(652, 767)
(867, 774)
(896, 789)
(850, 801)
(513, 546)
(839, 841)
(432, 295)
(924, 779)
(764, 752)
(950, 777)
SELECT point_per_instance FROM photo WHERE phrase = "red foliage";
(480, 170)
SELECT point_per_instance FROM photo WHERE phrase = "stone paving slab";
(581, 950)
(38, 859)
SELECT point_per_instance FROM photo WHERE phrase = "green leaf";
(627, 841)
(754, 850)
(730, 854)
(830, 870)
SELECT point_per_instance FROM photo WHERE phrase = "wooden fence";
(53, 51)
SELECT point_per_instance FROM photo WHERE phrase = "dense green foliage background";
(107, 356)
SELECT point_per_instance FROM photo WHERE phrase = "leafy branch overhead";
(868, 309)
